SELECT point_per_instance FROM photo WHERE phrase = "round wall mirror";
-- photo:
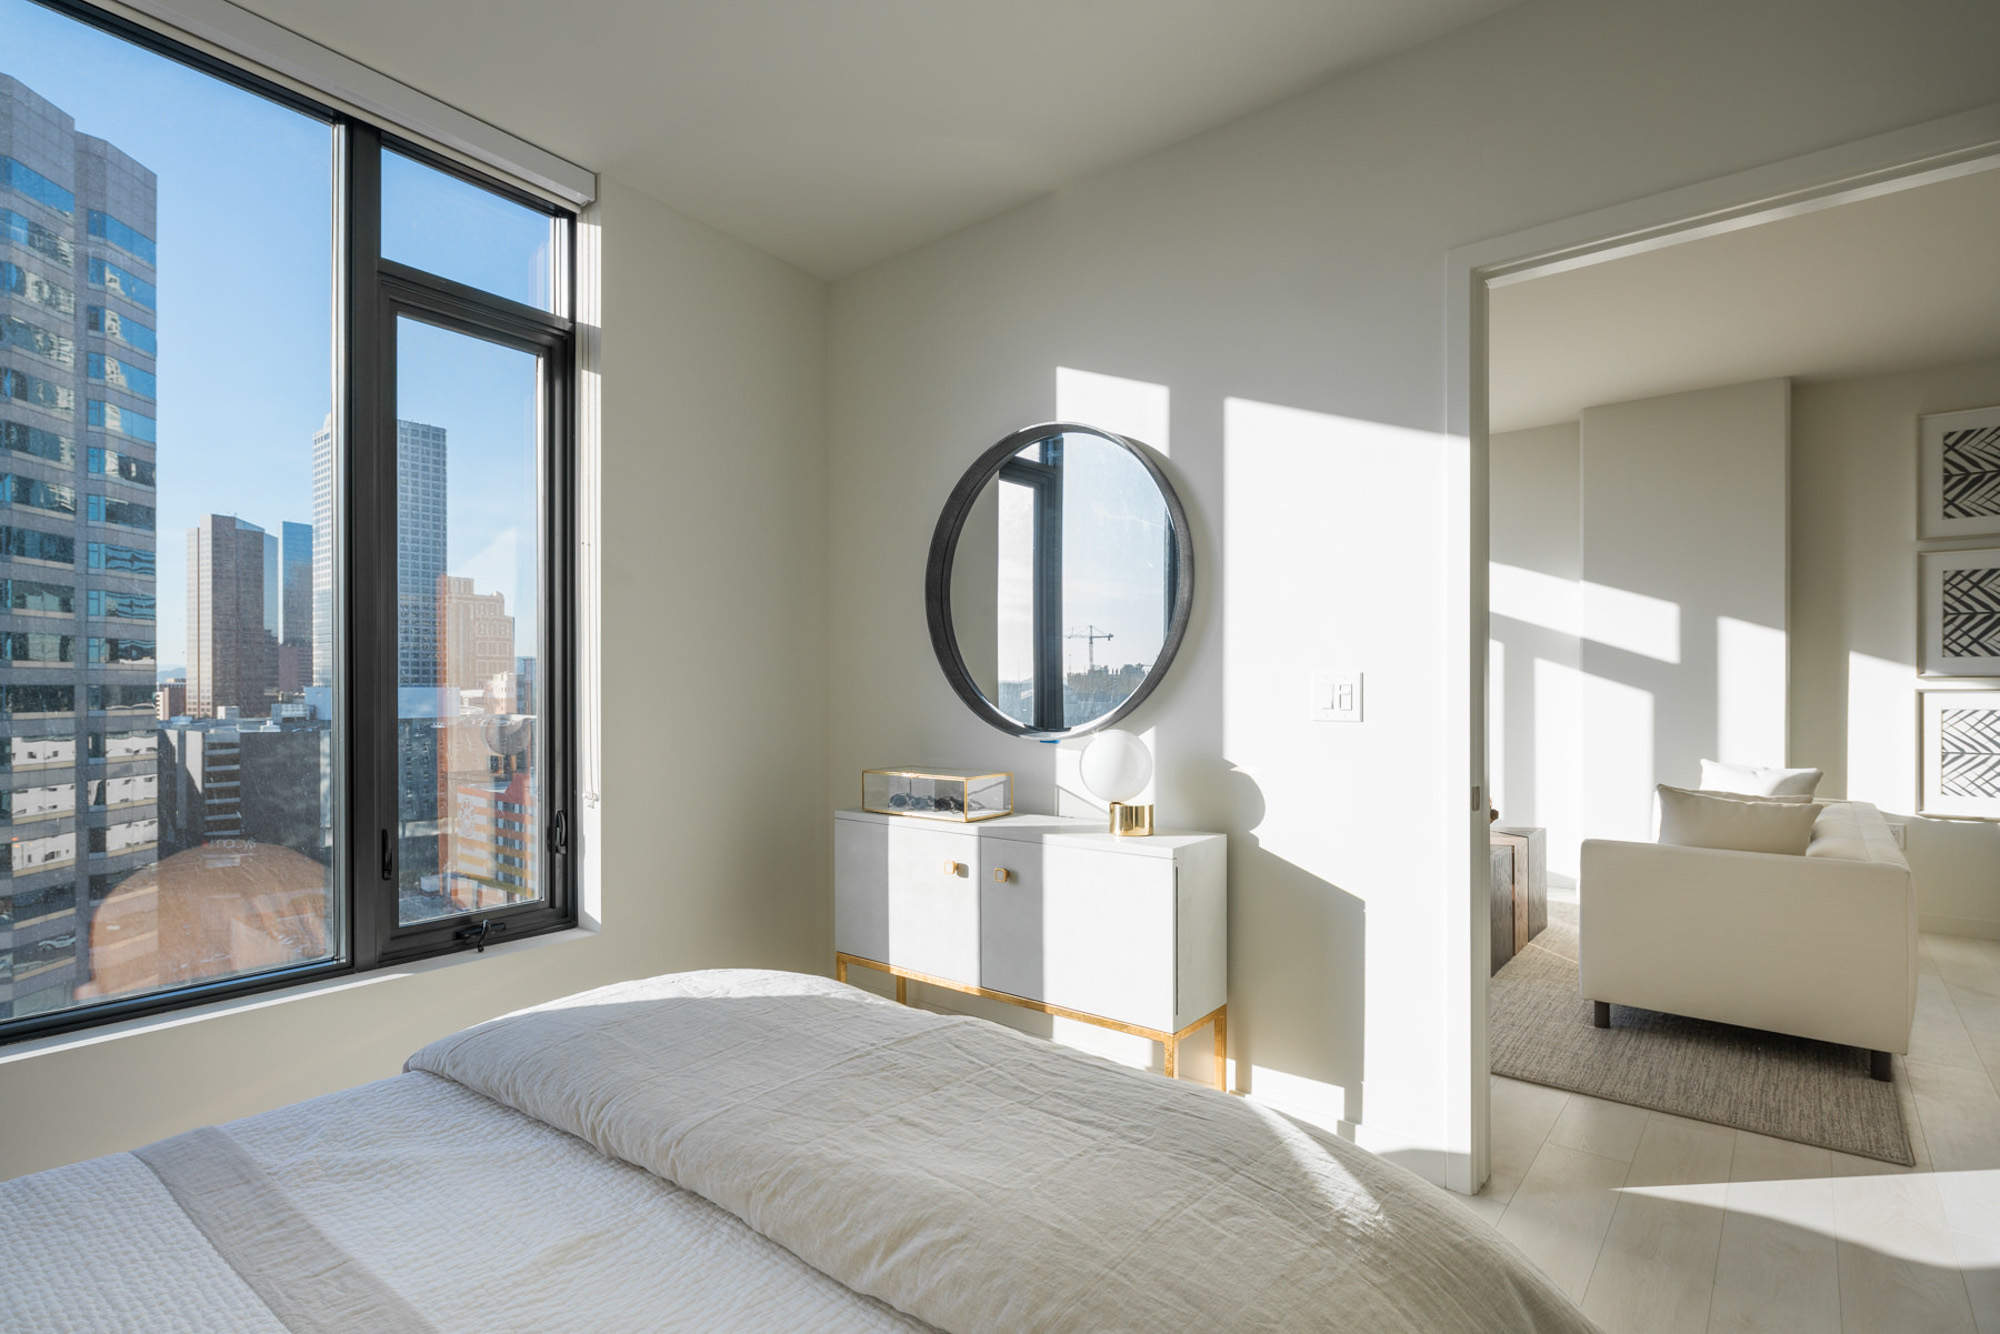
(1060, 580)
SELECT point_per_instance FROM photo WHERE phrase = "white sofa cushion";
(1756, 781)
(1703, 820)
(1854, 831)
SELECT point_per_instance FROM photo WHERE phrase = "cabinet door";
(861, 889)
(933, 901)
(1083, 929)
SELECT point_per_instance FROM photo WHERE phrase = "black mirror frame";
(944, 550)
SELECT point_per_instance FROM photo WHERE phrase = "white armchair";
(1820, 946)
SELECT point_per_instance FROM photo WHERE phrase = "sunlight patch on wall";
(1558, 763)
(1535, 598)
(1134, 408)
(1617, 753)
(1881, 732)
(1749, 693)
(1620, 618)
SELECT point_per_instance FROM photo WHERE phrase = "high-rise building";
(295, 634)
(475, 640)
(78, 610)
(420, 549)
(232, 657)
(323, 543)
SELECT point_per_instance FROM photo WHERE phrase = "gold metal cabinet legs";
(1169, 1042)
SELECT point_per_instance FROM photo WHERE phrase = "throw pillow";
(1755, 781)
(1692, 819)
(1739, 796)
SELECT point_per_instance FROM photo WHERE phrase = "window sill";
(128, 1028)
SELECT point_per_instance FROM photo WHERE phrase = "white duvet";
(758, 1151)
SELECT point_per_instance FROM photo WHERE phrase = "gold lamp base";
(1130, 821)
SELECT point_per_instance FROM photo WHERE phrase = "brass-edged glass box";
(937, 794)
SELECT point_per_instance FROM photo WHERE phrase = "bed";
(743, 1150)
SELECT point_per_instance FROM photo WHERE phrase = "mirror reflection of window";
(1116, 586)
(1063, 581)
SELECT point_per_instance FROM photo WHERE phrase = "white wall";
(714, 775)
(1683, 625)
(1854, 610)
(1281, 278)
(1534, 714)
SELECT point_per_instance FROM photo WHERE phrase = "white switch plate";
(1336, 697)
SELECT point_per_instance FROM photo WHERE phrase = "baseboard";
(1941, 924)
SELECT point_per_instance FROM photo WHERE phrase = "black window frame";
(370, 294)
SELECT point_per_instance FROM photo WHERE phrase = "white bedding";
(973, 1177)
(483, 1219)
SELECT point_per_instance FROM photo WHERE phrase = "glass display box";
(937, 794)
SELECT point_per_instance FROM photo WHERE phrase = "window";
(324, 585)
(123, 329)
(112, 605)
(126, 468)
(31, 184)
(22, 438)
(33, 595)
(17, 335)
(119, 375)
(105, 274)
(21, 231)
(34, 545)
(121, 560)
(37, 290)
(123, 513)
(123, 421)
(36, 392)
(37, 494)
(107, 228)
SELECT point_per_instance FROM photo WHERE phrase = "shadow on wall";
(1304, 940)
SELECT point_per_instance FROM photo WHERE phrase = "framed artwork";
(1960, 731)
(1961, 602)
(1958, 493)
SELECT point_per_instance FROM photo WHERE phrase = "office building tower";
(420, 549)
(232, 657)
(295, 633)
(170, 700)
(78, 435)
(421, 479)
(324, 542)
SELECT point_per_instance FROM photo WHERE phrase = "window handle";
(559, 834)
(476, 932)
(388, 857)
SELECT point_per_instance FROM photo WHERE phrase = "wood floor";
(1655, 1222)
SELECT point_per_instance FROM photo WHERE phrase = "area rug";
(1790, 1088)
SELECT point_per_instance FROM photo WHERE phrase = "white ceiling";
(836, 133)
(1893, 283)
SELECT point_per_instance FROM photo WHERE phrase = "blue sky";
(245, 281)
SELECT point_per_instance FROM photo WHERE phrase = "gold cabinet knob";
(953, 868)
(1001, 875)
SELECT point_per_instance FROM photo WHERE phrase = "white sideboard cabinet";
(1053, 914)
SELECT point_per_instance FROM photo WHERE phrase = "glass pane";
(166, 793)
(468, 586)
(443, 225)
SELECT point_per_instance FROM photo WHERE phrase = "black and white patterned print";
(1972, 472)
(1969, 753)
(1972, 613)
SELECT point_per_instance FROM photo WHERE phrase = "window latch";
(388, 856)
(477, 932)
(559, 834)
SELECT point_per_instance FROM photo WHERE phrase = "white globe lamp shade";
(1115, 766)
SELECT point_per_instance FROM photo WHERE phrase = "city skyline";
(246, 368)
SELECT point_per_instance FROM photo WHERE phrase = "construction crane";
(1090, 634)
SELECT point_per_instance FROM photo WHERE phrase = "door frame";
(1882, 164)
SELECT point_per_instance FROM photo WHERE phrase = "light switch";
(1336, 697)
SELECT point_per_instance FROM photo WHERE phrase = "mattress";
(757, 1151)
